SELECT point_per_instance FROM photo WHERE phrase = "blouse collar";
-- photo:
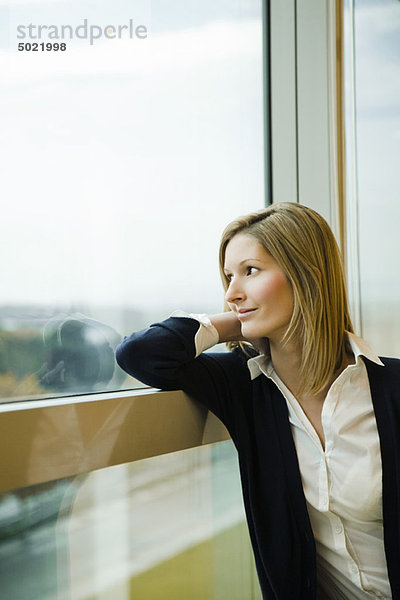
(262, 363)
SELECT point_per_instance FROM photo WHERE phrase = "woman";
(312, 411)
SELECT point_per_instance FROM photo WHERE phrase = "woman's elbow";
(125, 355)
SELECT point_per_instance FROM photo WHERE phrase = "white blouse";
(343, 483)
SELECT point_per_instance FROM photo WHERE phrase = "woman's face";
(259, 292)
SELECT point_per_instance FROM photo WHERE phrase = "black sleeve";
(163, 356)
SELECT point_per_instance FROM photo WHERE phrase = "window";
(169, 527)
(124, 155)
(373, 147)
(123, 159)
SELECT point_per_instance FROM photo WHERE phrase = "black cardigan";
(255, 414)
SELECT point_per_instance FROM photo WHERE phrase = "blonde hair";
(303, 245)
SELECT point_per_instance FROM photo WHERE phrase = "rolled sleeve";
(206, 336)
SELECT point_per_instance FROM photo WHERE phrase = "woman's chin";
(251, 332)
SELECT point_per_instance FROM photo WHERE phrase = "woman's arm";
(164, 356)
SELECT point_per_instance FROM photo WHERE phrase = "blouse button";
(338, 529)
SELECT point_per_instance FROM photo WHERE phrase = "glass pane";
(167, 528)
(124, 155)
(375, 28)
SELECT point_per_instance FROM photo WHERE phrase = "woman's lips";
(245, 312)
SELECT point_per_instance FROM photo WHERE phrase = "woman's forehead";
(244, 247)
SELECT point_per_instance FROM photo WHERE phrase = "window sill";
(50, 439)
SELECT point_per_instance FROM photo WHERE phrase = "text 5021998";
(42, 47)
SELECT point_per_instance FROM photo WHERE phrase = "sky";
(123, 160)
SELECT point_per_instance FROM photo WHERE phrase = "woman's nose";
(234, 292)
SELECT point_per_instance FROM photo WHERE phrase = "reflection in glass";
(67, 354)
(33, 542)
(166, 528)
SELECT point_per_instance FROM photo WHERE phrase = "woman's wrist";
(228, 326)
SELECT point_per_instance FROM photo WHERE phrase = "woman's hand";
(228, 326)
(229, 330)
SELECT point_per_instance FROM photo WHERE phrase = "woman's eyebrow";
(244, 261)
(251, 259)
